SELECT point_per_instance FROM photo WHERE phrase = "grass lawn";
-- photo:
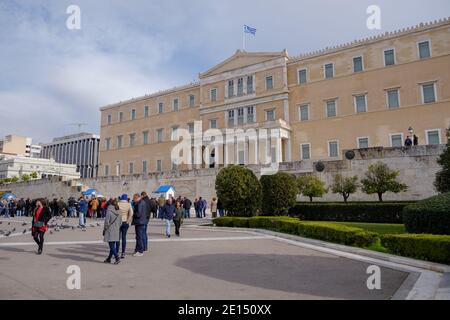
(380, 228)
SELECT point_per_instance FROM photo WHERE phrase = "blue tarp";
(164, 188)
(8, 196)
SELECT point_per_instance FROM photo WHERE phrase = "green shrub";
(326, 231)
(379, 212)
(239, 190)
(380, 179)
(279, 192)
(421, 246)
(431, 215)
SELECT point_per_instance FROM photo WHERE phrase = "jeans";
(7, 213)
(19, 213)
(113, 245)
(82, 220)
(123, 235)
(145, 237)
(186, 214)
(221, 212)
(140, 236)
(103, 212)
(72, 212)
(168, 224)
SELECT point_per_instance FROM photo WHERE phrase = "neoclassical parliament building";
(368, 93)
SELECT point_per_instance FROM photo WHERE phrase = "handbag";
(38, 224)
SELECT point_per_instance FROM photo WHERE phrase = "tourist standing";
(178, 217)
(139, 222)
(214, 208)
(408, 142)
(113, 221)
(41, 217)
(168, 212)
(161, 203)
(83, 211)
(220, 208)
(148, 213)
(127, 217)
(204, 206)
(187, 204)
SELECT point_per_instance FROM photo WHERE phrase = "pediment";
(242, 59)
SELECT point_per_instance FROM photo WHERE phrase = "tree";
(344, 186)
(279, 192)
(34, 175)
(311, 186)
(14, 179)
(239, 190)
(442, 181)
(381, 179)
(25, 177)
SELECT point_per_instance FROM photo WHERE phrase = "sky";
(52, 77)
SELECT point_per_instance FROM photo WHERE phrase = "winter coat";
(178, 216)
(111, 228)
(213, 206)
(140, 213)
(168, 211)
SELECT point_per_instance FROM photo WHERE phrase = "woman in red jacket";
(41, 217)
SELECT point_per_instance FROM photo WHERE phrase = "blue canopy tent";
(9, 196)
(90, 192)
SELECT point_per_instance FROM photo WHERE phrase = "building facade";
(19, 145)
(368, 93)
(16, 166)
(80, 149)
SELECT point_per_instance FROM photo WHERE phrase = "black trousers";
(177, 224)
(39, 238)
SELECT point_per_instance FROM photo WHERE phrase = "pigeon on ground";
(24, 224)
(8, 233)
(98, 224)
(84, 229)
(14, 229)
(73, 228)
(24, 231)
(9, 223)
(51, 232)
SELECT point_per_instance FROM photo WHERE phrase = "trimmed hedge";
(420, 246)
(431, 215)
(326, 231)
(379, 212)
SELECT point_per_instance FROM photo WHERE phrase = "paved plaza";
(204, 263)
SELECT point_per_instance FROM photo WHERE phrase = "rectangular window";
(270, 115)
(213, 124)
(389, 57)
(160, 107)
(132, 137)
(175, 105)
(191, 101)
(159, 165)
(363, 143)
(240, 87)
(145, 137)
(133, 114)
(397, 140)
(269, 83)
(240, 112)
(159, 135)
(306, 151)
(360, 103)
(428, 93)
(230, 89)
(120, 116)
(333, 149)
(302, 76)
(357, 64)
(174, 133)
(304, 112)
(144, 166)
(146, 111)
(250, 88)
(107, 143)
(191, 127)
(213, 93)
(331, 109)
(241, 156)
(109, 119)
(250, 114)
(230, 118)
(119, 142)
(393, 99)
(424, 50)
(131, 168)
(106, 170)
(174, 166)
(329, 71)
(433, 137)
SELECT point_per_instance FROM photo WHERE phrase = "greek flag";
(248, 29)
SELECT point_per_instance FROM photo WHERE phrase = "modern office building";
(19, 145)
(80, 149)
(367, 93)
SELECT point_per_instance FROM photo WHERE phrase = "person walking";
(126, 212)
(41, 216)
(178, 217)
(204, 206)
(113, 221)
(168, 212)
(139, 222)
(161, 203)
(187, 204)
(83, 211)
(214, 207)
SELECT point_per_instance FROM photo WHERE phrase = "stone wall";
(417, 166)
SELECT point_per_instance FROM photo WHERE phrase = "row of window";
(131, 168)
(389, 58)
(428, 92)
(433, 137)
(175, 107)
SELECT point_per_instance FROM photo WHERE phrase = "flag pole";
(243, 39)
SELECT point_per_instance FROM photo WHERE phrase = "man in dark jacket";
(139, 222)
(168, 212)
(187, 204)
(148, 214)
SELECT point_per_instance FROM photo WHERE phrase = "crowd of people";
(118, 213)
